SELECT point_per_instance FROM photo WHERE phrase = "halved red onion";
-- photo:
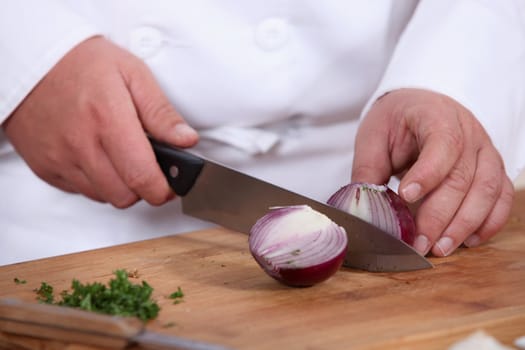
(378, 205)
(297, 245)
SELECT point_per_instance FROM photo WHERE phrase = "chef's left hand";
(448, 162)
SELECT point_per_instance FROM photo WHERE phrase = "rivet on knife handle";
(180, 168)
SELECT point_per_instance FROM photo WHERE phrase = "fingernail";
(411, 192)
(445, 245)
(185, 131)
(422, 244)
(472, 241)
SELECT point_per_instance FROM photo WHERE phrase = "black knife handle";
(180, 167)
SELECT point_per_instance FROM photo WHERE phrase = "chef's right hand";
(82, 128)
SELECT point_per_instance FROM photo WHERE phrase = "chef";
(307, 95)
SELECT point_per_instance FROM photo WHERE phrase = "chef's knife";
(234, 200)
(69, 325)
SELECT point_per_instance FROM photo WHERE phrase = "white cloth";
(289, 79)
(479, 340)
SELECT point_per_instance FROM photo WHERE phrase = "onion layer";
(297, 245)
(378, 205)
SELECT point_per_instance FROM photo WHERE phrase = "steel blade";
(236, 201)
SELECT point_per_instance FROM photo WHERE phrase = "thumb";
(159, 118)
(371, 162)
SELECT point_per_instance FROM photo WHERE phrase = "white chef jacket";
(275, 88)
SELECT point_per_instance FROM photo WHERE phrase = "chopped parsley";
(19, 281)
(120, 297)
(44, 294)
(177, 296)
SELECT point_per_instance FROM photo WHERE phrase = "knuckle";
(491, 187)
(453, 139)
(468, 225)
(159, 195)
(143, 185)
(491, 226)
(160, 113)
(96, 112)
(508, 193)
(131, 64)
(102, 110)
(137, 179)
(91, 194)
(52, 160)
(435, 222)
(124, 200)
(156, 201)
(47, 176)
(460, 178)
(499, 217)
(366, 173)
(74, 143)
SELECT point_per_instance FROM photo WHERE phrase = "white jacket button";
(272, 34)
(146, 41)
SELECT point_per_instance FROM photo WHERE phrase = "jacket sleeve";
(34, 36)
(474, 52)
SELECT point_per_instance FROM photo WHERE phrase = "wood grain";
(230, 301)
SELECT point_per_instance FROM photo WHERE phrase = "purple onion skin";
(309, 276)
(406, 220)
(402, 212)
(306, 276)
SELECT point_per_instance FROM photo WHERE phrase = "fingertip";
(171, 196)
(157, 113)
(411, 193)
(443, 247)
(497, 218)
(422, 244)
(371, 162)
(473, 241)
(369, 174)
(126, 201)
(184, 135)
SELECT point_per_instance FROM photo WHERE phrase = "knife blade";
(234, 200)
(69, 325)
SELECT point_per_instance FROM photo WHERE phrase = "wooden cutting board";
(230, 301)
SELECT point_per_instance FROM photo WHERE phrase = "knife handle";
(73, 326)
(67, 324)
(180, 167)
